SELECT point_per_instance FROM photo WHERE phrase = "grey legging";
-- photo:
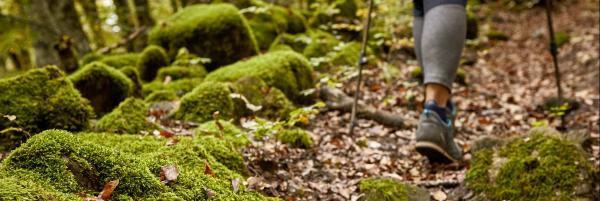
(439, 29)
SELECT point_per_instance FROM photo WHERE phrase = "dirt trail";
(506, 83)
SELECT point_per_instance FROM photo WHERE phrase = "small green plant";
(261, 128)
(559, 110)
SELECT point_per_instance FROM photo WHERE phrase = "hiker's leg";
(418, 14)
(442, 41)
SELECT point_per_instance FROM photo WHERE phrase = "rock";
(152, 59)
(59, 165)
(181, 72)
(287, 71)
(42, 99)
(113, 60)
(272, 102)
(387, 189)
(130, 117)
(273, 20)
(295, 42)
(206, 99)
(541, 165)
(132, 73)
(103, 85)
(180, 86)
(216, 31)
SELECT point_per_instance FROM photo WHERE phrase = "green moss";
(11, 138)
(561, 38)
(296, 138)
(224, 152)
(321, 44)
(200, 104)
(103, 85)
(380, 189)
(229, 132)
(133, 75)
(296, 42)
(120, 60)
(26, 188)
(153, 58)
(161, 95)
(541, 164)
(181, 72)
(274, 104)
(180, 87)
(497, 35)
(43, 99)
(286, 70)
(70, 164)
(216, 31)
(274, 20)
(347, 8)
(347, 55)
(129, 117)
(89, 58)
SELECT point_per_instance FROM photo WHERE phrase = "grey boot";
(435, 139)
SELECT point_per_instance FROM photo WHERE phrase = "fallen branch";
(437, 183)
(336, 99)
(123, 42)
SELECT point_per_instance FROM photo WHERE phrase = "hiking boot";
(435, 137)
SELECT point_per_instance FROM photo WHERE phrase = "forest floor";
(506, 84)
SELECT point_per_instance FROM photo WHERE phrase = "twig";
(123, 41)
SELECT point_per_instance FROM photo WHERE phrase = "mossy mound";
(133, 75)
(113, 60)
(541, 165)
(225, 129)
(23, 188)
(161, 95)
(180, 87)
(42, 99)
(128, 117)
(181, 72)
(296, 42)
(274, 104)
(296, 137)
(216, 31)
(152, 59)
(321, 44)
(206, 99)
(273, 20)
(385, 189)
(286, 70)
(103, 85)
(68, 164)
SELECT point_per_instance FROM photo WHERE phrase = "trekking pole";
(361, 62)
(554, 52)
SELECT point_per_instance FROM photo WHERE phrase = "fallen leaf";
(439, 195)
(168, 173)
(172, 141)
(166, 133)
(235, 184)
(108, 189)
(209, 193)
(10, 117)
(207, 169)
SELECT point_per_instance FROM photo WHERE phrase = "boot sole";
(434, 153)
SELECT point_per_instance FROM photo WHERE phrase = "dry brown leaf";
(207, 169)
(108, 189)
(168, 173)
(166, 133)
(172, 141)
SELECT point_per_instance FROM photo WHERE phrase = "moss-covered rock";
(286, 70)
(161, 95)
(180, 87)
(26, 188)
(42, 99)
(113, 60)
(541, 165)
(128, 118)
(347, 8)
(296, 42)
(273, 103)
(152, 59)
(133, 75)
(273, 20)
(206, 99)
(69, 164)
(224, 152)
(348, 54)
(321, 44)
(386, 189)
(216, 31)
(181, 72)
(103, 85)
(296, 137)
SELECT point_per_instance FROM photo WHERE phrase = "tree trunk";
(68, 23)
(43, 30)
(124, 17)
(91, 12)
(145, 22)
